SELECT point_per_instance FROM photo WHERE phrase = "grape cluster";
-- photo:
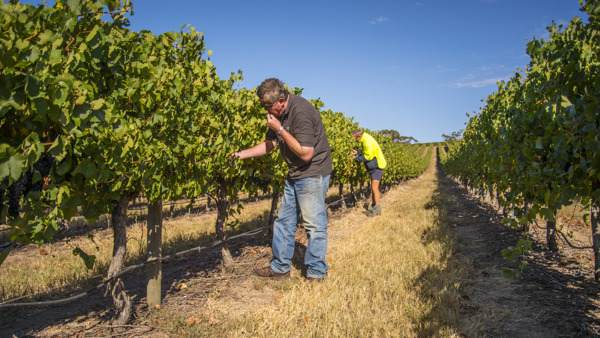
(24, 184)
(43, 166)
(14, 196)
(261, 184)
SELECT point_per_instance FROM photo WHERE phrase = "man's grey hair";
(357, 132)
(271, 90)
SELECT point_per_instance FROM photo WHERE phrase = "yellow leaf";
(193, 320)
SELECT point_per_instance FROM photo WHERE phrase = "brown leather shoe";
(314, 279)
(269, 273)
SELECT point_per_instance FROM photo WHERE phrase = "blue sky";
(414, 66)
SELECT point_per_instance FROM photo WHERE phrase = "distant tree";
(455, 136)
(396, 137)
(393, 134)
(407, 139)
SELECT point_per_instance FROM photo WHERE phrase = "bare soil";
(555, 296)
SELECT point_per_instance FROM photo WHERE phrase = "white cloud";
(479, 83)
(380, 19)
(419, 4)
(441, 68)
(484, 76)
(491, 68)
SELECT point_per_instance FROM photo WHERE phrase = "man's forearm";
(304, 153)
(260, 149)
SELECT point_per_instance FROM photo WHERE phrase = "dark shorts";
(376, 174)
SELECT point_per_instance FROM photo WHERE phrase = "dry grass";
(36, 271)
(389, 276)
(51, 268)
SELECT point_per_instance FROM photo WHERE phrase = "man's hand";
(273, 122)
(354, 152)
(232, 157)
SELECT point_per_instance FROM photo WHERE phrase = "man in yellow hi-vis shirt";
(372, 156)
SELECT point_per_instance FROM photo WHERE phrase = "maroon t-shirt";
(303, 121)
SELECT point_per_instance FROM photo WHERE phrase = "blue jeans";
(306, 195)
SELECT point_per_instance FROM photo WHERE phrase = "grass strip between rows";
(389, 276)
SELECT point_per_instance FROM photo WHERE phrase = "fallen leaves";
(193, 321)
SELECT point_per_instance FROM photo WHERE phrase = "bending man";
(296, 125)
(372, 156)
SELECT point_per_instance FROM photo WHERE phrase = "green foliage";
(55, 100)
(512, 254)
(120, 111)
(117, 110)
(339, 134)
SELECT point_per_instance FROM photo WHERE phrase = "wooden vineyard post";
(154, 274)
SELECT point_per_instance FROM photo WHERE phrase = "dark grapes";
(24, 184)
(15, 191)
(43, 166)
(261, 184)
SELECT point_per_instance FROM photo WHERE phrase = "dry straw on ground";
(389, 276)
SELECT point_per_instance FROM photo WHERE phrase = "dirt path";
(554, 297)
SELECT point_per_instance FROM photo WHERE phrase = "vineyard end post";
(154, 270)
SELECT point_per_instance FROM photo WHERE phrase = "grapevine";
(93, 114)
(535, 145)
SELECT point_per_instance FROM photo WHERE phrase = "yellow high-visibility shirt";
(370, 149)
